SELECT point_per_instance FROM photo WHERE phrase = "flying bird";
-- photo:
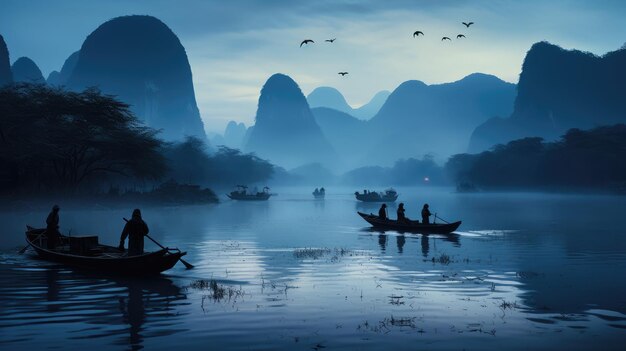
(306, 41)
(342, 73)
(445, 38)
(460, 36)
(467, 24)
(331, 40)
(417, 33)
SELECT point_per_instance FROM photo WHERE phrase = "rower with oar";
(135, 229)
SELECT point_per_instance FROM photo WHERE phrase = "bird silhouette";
(330, 40)
(445, 38)
(467, 24)
(460, 36)
(417, 33)
(342, 73)
(306, 41)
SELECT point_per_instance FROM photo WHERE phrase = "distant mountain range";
(418, 119)
(558, 90)
(285, 131)
(332, 98)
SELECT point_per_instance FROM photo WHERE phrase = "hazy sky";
(234, 46)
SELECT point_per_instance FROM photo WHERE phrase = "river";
(524, 271)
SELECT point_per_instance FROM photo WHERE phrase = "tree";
(58, 138)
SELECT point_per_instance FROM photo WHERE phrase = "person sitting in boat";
(135, 230)
(52, 227)
(425, 214)
(322, 191)
(401, 216)
(316, 192)
(382, 213)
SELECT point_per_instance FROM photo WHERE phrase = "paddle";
(187, 264)
(441, 218)
(27, 246)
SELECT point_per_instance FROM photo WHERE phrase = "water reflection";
(538, 278)
(400, 240)
(90, 307)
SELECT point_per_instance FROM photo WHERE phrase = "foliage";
(190, 161)
(409, 171)
(58, 139)
(588, 159)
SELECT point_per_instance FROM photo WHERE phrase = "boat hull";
(150, 263)
(411, 226)
(367, 198)
(263, 197)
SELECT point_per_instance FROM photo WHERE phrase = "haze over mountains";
(285, 131)
(141, 61)
(331, 98)
(558, 90)
(418, 119)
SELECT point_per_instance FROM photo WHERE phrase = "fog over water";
(523, 271)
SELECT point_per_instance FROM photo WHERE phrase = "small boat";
(390, 195)
(241, 193)
(410, 226)
(319, 193)
(86, 253)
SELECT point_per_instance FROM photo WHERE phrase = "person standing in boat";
(135, 230)
(401, 216)
(382, 213)
(52, 227)
(426, 214)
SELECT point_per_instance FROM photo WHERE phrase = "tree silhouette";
(57, 139)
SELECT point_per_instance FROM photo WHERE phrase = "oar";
(27, 246)
(187, 264)
(441, 218)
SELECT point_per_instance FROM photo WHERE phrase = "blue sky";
(234, 46)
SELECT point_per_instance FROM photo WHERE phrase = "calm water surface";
(524, 271)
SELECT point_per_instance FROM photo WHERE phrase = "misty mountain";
(345, 133)
(285, 131)
(60, 78)
(234, 134)
(438, 119)
(25, 70)
(418, 119)
(332, 98)
(5, 65)
(141, 61)
(560, 89)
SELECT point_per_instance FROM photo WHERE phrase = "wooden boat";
(410, 226)
(86, 253)
(389, 195)
(319, 194)
(242, 194)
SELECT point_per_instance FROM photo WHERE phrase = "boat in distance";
(390, 195)
(242, 194)
(319, 193)
(410, 226)
(86, 253)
